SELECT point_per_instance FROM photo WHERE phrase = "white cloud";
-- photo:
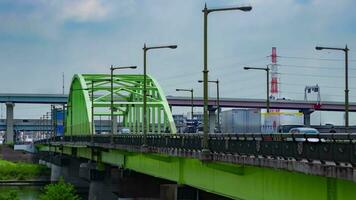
(83, 10)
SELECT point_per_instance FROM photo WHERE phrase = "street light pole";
(47, 131)
(112, 101)
(206, 11)
(144, 113)
(144, 95)
(191, 99)
(346, 51)
(40, 128)
(217, 100)
(71, 120)
(267, 74)
(205, 81)
(52, 122)
(192, 103)
(92, 105)
(267, 89)
(92, 111)
(346, 89)
(112, 69)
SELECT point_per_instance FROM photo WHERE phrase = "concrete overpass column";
(212, 119)
(306, 115)
(10, 122)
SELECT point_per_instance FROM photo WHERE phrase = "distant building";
(241, 121)
(179, 120)
(199, 116)
(273, 120)
(184, 123)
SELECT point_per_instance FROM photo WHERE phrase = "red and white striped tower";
(278, 117)
(273, 118)
(274, 74)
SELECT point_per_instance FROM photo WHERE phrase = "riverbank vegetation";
(21, 171)
(9, 195)
(59, 191)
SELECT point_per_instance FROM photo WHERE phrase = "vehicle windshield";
(309, 131)
(305, 131)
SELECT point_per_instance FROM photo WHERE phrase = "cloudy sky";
(41, 39)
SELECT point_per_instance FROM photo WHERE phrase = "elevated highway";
(186, 101)
(261, 103)
(28, 98)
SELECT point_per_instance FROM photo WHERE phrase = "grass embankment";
(21, 171)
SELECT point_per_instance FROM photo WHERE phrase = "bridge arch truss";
(91, 94)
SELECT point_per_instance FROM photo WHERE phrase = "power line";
(225, 71)
(310, 75)
(322, 86)
(337, 95)
(310, 66)
(310, 58)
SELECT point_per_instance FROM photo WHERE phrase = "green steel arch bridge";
(239, 166)
(90, 95)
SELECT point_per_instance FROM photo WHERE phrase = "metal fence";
(339, 148)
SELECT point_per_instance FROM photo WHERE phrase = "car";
(287, 128)
(124, 131)
(305, 131)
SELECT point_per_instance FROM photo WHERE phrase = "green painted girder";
(229, 180)
(128, 103)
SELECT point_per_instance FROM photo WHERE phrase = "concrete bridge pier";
(10, 122)
(101, 189)
(57, 172)
(133, 185)
(101, 185)
(178, 192)
(60, 167)
(67, 168)
(212, 119)
(306, 115)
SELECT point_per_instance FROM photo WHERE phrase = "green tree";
(9, 195)
(59, 191)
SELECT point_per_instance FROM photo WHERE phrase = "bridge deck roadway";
(239, 166)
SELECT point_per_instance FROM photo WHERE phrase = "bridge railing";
(339, 148)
